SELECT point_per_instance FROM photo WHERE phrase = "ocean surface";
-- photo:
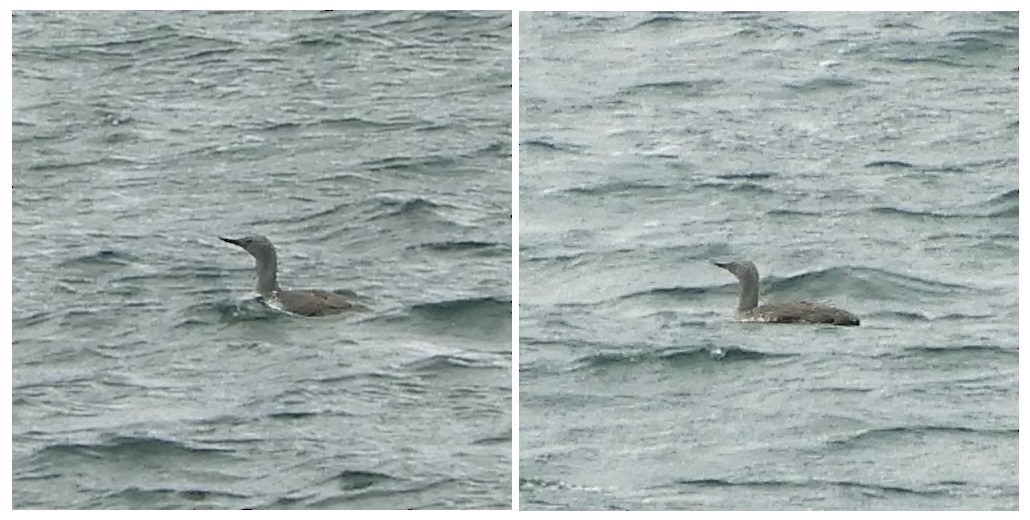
(863, 159)
(374, 150)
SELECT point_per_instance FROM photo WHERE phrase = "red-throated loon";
(305, 302)
(797, 312)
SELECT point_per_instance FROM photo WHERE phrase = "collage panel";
(768, 261)
(262, 260)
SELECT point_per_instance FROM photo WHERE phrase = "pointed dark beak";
(233, 241)
(718, 264)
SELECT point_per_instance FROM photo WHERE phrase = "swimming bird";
(305, 302)
(796, 312)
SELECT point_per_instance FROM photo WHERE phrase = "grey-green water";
(865, 159)
(372, 148)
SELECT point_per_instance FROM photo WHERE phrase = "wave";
(131, 448)
(975, 350)
(874, 488)
(353, 480)
(550, 144)
(614, 359)
(463, 307)
(827, 83)
(485, 318)
(409, 207)
(616, 187)
(669, 292)
(101, 257)
(860, 281)
(678, 88)
(448, 362)
(422, 163)
(887, 163)
(899, 434)
(661, 20)
(744, 187)
(794, 213)
(156, 498)
(747, 176)
(475, 246)
(989, 210)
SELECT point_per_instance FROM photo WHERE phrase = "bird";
(795, 312)
(305, 302)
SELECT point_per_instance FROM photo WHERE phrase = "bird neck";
(267, 282)
(748, 292)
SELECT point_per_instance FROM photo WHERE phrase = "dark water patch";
(132, 449)
(989, 210)
(460, 309)
(891, 211)
(31, 319)
(718, 482)
(753, 176)
(662, 20)
(888, 163)
(51, 165)
(550, 144)
(353, 480)
(794, 213)
(629, 188)
(743, 187)
(674, 293)
(1004, 205)
(394, 490)
(886, 315)
(861, 282)
(409, 207)
(824, 84)
(808, 484)
(372, 377)
(984, 240)
(274, 126)
(500, 149)
(977, 42)
(843, 390)
(678, 88)
(563, 259)
(672, 356)
(927, 60)
(101, 257)
(141, 498)
(466, 246)
(421, 164)
(964, 351)
(357, 123)
(880, 436)
(444, 363)
(336, 213)
(481, 318)
(498, 439)
(289, 416)
(1004, 198)
(201, 56)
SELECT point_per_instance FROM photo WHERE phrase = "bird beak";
(718, 264)
(232, 241)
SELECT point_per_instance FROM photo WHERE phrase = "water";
(864, 159)
(372, 148)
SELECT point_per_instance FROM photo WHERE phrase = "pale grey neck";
(748, 290)
(266, 267)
